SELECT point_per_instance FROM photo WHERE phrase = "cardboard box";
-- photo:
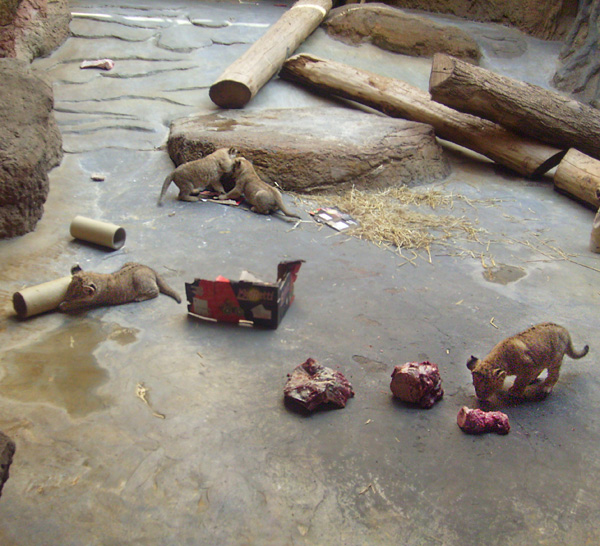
(248, 301)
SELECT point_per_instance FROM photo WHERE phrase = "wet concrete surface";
(210, 454)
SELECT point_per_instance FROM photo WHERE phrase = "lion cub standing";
(263, 198)
(192, 177)
(133, 282)
(525, 355)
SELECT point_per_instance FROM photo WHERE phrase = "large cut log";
(522, 107)
(578, 175)
(244, 77)
(399, 99)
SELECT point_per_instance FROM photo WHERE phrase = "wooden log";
(578, 175)
(245, 76)
(399, 99)
(522, 107)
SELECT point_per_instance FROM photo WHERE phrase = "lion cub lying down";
(194, 176)
(263, 198)
(133, 282)
(525, 355)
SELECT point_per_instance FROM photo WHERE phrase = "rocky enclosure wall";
(32, 28)
(547, 19)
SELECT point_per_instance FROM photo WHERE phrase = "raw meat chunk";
(417, 383)
(312, 384)
(476, 421)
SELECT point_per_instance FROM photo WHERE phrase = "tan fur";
(133, 282)
(525, 355)
(194, 176)
(263, 198)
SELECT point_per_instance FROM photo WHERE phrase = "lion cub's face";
(486, 381)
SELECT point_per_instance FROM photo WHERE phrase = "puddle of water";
(61, 369)
(503, 274)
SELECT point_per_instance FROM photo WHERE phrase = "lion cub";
(133, 282)
(194, 176)
(263, 198)
(525, 355)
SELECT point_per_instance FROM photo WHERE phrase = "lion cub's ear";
(499, 373)
(472, 362)
(76, 269)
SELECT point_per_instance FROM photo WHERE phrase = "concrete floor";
(229, 464)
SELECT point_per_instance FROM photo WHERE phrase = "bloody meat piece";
(476, 421)
(418, 383)
(311, 384)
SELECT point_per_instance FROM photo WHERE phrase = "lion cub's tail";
(576, 354)
(165, 185)
(279, 201)
(166, 289)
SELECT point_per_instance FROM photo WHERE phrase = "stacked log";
(578, 175)
(399, 99)
(244, 77)
(521, 107)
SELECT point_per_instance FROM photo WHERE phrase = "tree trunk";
(519, 106)
(578, 175)
(399, 99)
(245, 76)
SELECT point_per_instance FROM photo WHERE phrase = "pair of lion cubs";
(193, 177)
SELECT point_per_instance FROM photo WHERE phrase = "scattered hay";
(388, 217)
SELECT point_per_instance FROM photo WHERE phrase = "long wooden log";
(399, 99)
(522, 107)
(578, 175)
(245, 76)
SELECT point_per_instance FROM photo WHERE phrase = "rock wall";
(579, 73)
(30, 145)
(32, 28)
(547, 19)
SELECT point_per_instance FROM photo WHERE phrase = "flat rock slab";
(395, 30)
(312, 149)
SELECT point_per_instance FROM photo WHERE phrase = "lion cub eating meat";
(525, 355)
(194, 176)
(263, 198)
(133, 282)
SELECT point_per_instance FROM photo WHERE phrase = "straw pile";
(389, 217)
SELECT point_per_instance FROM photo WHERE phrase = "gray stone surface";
(30, 145)
(311, 149)
(229, 464)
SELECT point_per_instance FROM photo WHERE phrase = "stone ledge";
(313, 149)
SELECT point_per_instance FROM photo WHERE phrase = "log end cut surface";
(230, 94)
(311, 149)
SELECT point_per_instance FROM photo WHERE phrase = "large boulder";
(32, 28)
(30, 145)
(312, 149)
(398, 31)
